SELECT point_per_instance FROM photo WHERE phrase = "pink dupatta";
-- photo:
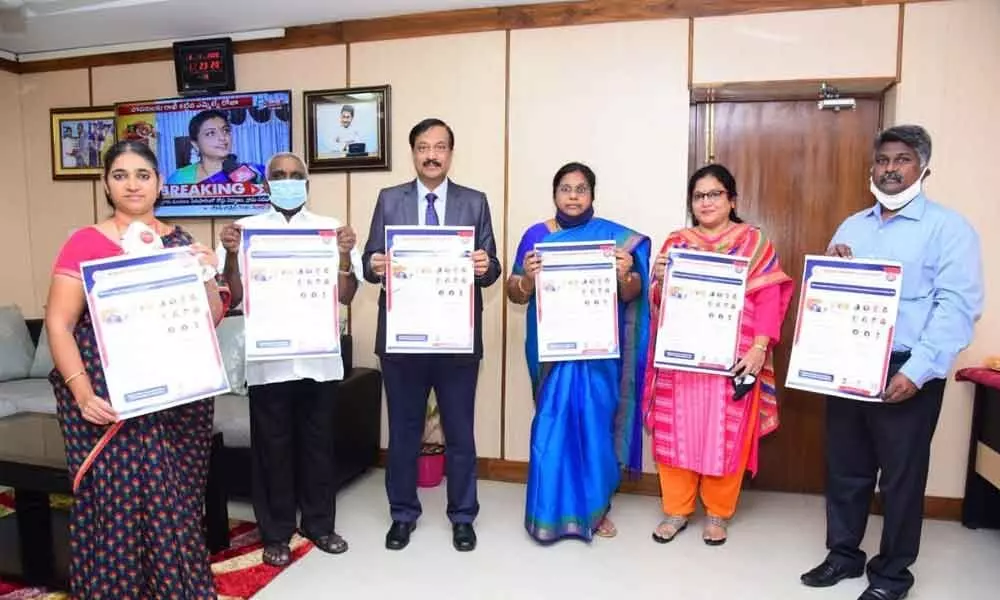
(693, 420)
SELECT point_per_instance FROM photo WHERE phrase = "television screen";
(211, 150)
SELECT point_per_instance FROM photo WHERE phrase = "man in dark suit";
(429, 200)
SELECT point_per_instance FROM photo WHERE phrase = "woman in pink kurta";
(703, 438)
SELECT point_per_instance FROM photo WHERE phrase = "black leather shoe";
(877, 593)
(463, 536)
(398, 536)
(827, 574)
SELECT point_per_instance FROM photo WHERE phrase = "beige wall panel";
(838, 43)
(55, 208)
(611, 96)
(15, 238)
(951, 57)
(317, 68)
(460, 79)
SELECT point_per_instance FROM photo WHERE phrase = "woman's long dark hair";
(725, 178)
(125, 147)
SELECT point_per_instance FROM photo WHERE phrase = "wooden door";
(800, 171)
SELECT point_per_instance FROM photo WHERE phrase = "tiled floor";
(774, 538)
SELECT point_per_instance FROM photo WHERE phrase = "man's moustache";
(893, 177)
(430, 162)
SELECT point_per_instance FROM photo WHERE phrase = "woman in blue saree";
(586, 427)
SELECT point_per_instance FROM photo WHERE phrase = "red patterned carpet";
(239, 572)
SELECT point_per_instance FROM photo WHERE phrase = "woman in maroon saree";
(138, 484)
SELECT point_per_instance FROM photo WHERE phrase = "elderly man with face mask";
(292, 400)
(890, 441)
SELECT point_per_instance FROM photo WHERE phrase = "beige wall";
(628, 124)
(55, 208)
(838, 43)
(950, 85)
(15, 237)
(613, 96)
(465, 88)
(300, 70)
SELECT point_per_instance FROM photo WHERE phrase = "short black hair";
(426, 124)
(194, 125)
(347, 108)
(914, 136)
(576, 167)
(125, 147)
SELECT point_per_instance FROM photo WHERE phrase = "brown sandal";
(668, 529)
(715, 523)
(606, 529)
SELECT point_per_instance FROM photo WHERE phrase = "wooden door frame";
(703, 96)
(709, 118)
(934, 507)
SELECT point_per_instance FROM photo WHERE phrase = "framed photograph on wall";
(348, 129)
(80, 137)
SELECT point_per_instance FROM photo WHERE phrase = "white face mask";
(894, 202)
(288, 194)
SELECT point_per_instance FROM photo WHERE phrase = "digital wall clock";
(204, 66)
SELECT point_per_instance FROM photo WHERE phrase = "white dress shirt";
(345, 135)
(439, 203)
(317, 369)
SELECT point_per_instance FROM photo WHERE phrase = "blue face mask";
(288, 194)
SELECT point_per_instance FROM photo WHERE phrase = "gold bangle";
(760, 347)
(73, 376)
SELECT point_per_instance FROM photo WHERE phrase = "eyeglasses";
(710, 196)
(580, 189)
(426, 148)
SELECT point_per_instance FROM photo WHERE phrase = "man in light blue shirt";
(940, 301)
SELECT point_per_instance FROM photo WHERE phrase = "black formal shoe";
(463, 536)
(877, 593)
(399, 534)
(827, 574)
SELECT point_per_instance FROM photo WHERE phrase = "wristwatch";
(208, 273)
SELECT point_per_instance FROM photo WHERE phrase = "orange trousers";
(680, 487)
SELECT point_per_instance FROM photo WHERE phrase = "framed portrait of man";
(348, 129)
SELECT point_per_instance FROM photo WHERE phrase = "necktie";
(431, 216)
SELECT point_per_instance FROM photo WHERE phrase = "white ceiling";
(70, 25)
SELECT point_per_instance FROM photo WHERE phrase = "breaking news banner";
(211, 150)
